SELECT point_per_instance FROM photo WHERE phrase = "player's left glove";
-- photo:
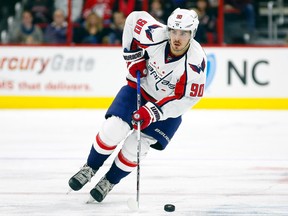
(135, 62)
(146, 115)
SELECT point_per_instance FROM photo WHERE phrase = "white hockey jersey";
(174, 84)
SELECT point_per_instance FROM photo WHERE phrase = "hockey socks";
(120, 168)
(99, 153)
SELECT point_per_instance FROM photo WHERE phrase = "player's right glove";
(138, 65)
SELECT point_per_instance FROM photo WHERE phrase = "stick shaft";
(138, 138)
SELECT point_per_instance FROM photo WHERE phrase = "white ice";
(220, 162)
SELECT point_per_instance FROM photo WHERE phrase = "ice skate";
(100, 191)
(85, 174)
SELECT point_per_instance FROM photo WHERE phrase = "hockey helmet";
(183, 19)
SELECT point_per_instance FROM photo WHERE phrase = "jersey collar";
(169, 57)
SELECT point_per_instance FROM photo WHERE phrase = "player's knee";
(129, 149)
(113, 131)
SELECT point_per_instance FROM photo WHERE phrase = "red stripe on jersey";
(179, 91)
(125, 161)
(166, 100)
(135, 44)
(181, 85)
(144, 94)
(102, 145)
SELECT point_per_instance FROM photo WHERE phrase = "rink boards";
(90, 77)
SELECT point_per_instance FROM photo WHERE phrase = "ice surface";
(219, 163)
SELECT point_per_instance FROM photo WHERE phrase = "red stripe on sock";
(125, 161)
(102, 145)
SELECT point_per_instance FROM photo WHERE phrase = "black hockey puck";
(169, 208)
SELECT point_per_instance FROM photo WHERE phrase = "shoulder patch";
(149, 31)
(198, 68)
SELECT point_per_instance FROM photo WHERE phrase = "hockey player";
(173, 71)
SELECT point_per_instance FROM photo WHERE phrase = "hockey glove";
(132, 55)
(146, 115)
(135, 62)
(138, 65)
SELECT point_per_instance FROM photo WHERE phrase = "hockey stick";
(132, 203)
(138, 138)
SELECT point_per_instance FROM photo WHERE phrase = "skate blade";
(90, 200)
(69, 191)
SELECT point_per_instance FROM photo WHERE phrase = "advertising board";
(90, 77)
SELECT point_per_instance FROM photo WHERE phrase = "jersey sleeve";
(188, 91)
(141, 30)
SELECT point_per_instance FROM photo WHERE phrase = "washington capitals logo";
(149, 31)
(198, 68)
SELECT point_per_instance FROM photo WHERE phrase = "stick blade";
(133, 205)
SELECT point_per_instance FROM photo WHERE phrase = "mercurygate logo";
(39, 65)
